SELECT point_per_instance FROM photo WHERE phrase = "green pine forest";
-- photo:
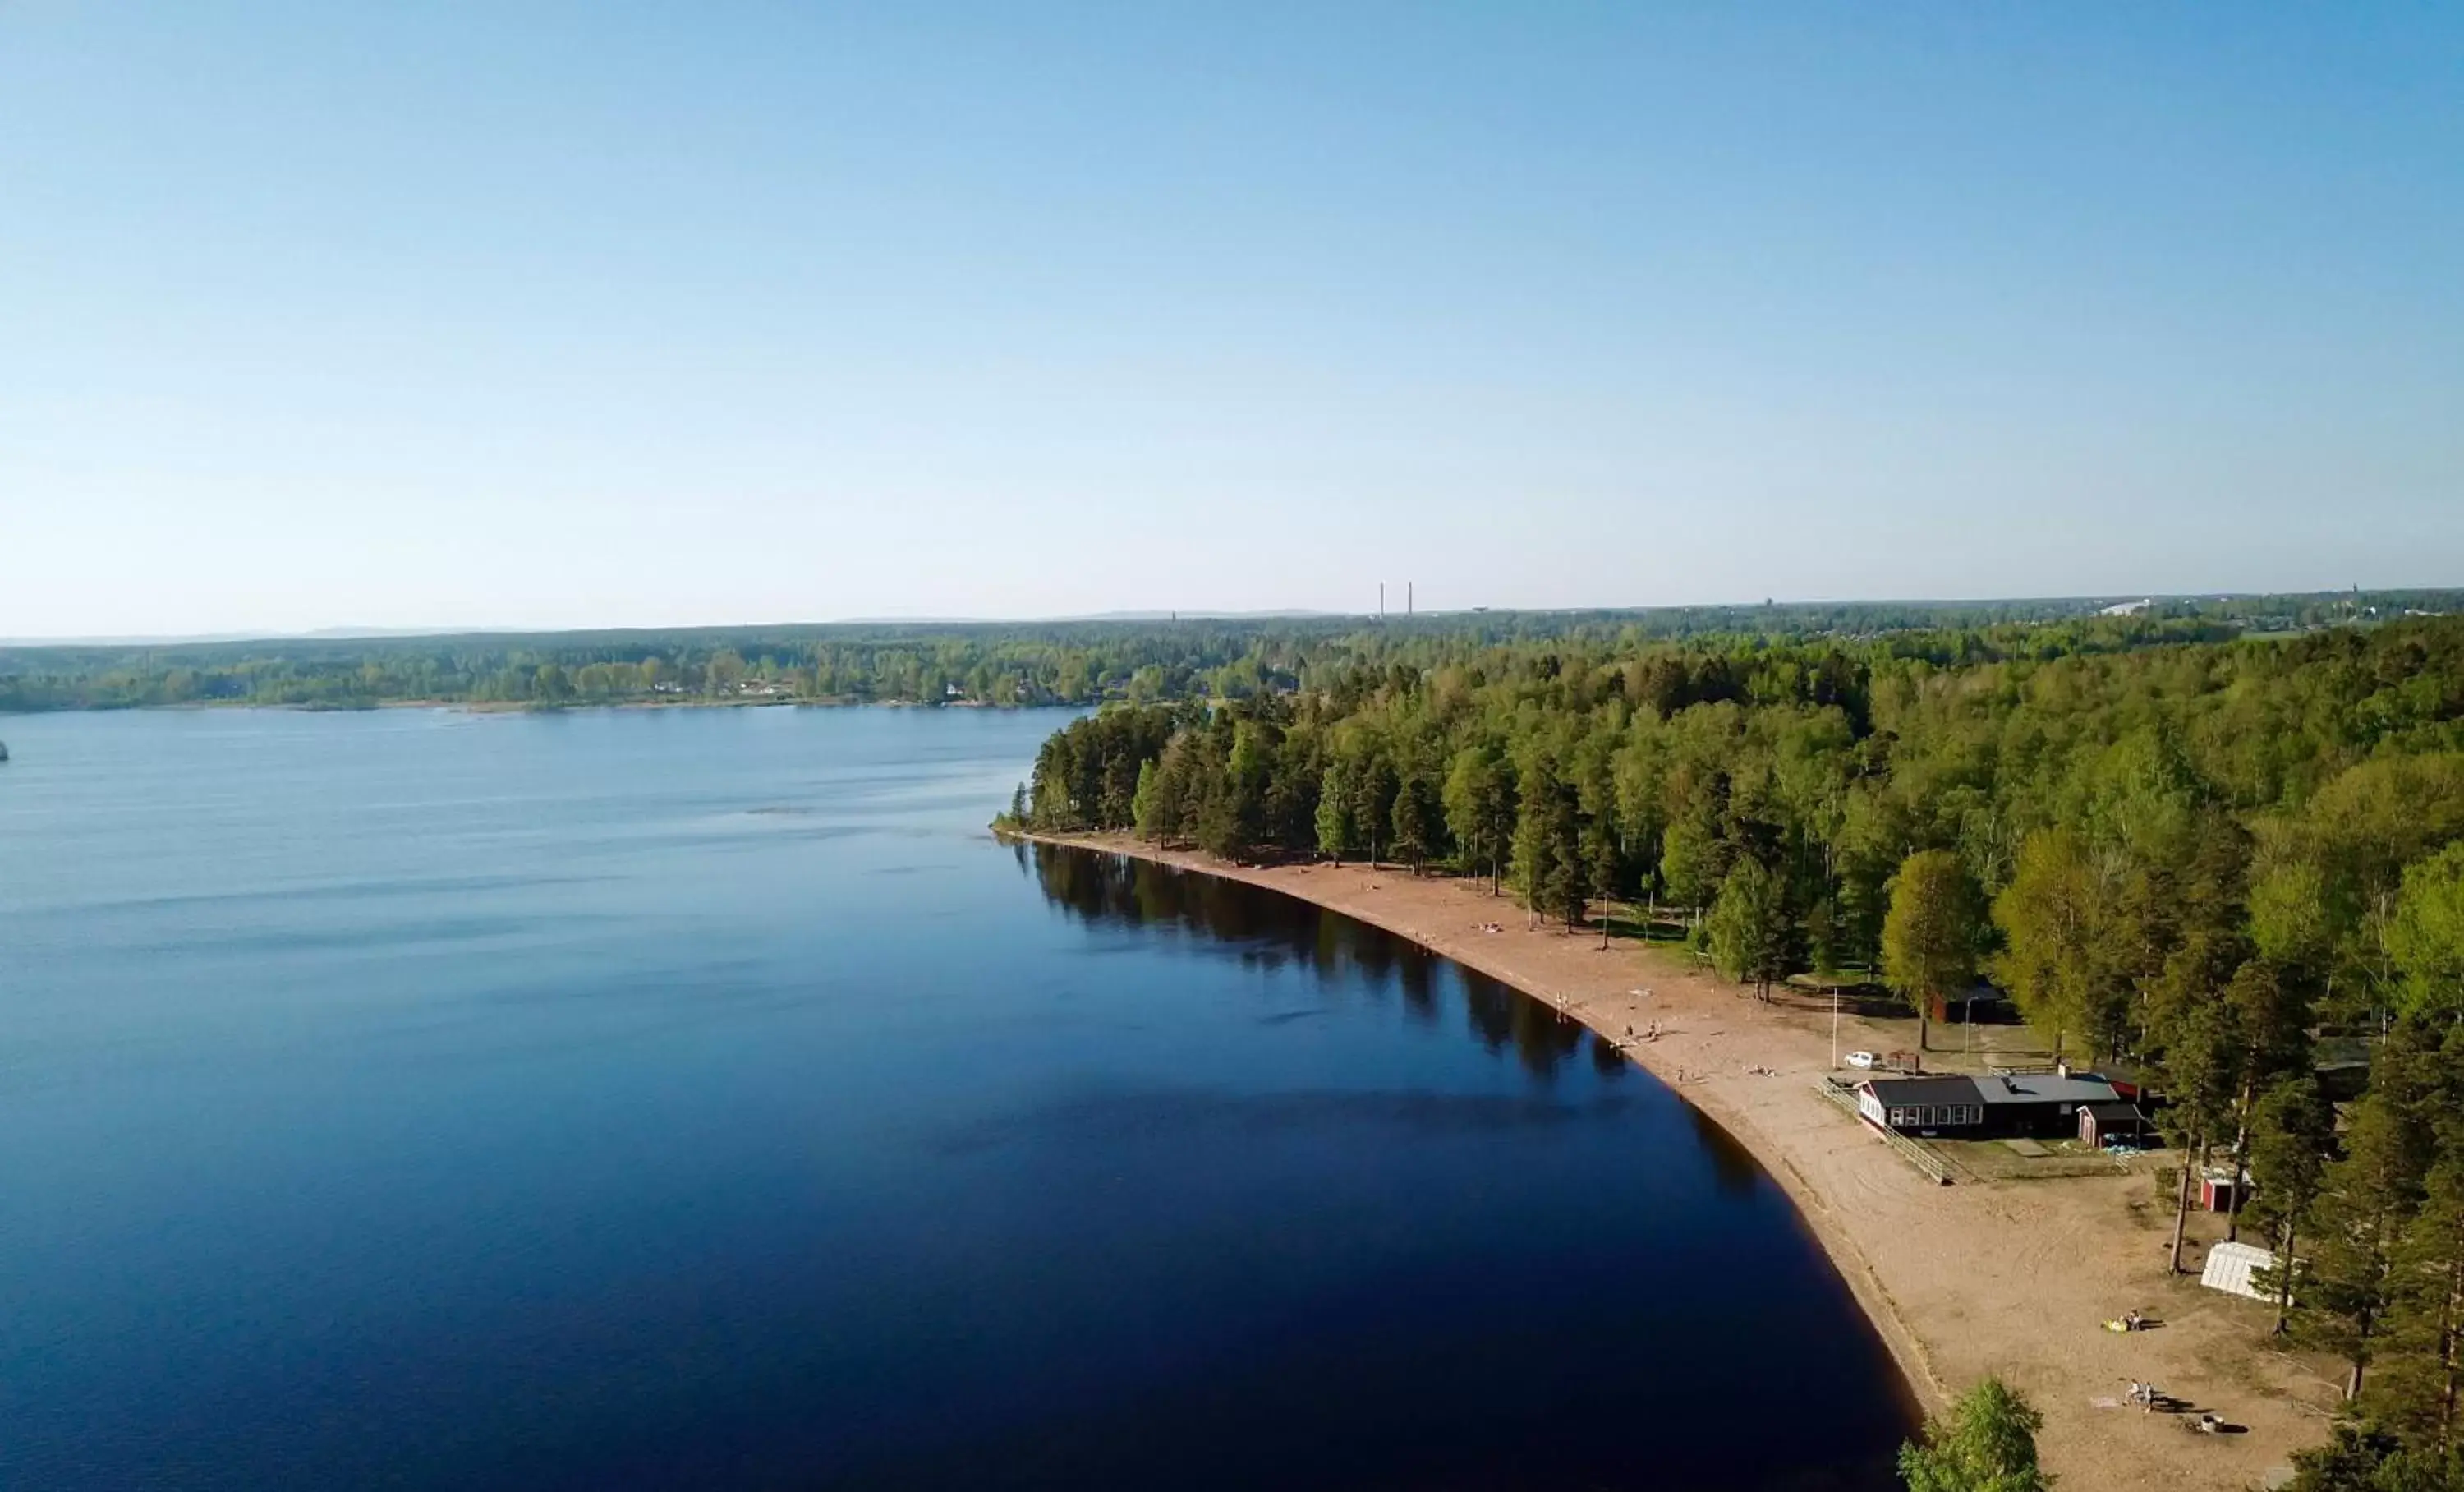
(2207, 861)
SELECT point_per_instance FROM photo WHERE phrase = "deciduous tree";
(1987, 1443)
(1929, 937)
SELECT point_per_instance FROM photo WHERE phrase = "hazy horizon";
(559, 316)
(346, 633)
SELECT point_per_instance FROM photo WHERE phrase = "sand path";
(2008, 1277)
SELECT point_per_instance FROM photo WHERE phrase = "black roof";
(2045, 1088)
(2116, 1113)
(1898, 1092)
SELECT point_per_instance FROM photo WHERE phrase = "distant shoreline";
(2010, 1277)
(533, 707)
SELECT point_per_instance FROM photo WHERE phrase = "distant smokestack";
(1407, 599)
(1381, 600)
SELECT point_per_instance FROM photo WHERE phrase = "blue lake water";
(701, 1098)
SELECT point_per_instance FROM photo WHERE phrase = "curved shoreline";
(1999, 1276)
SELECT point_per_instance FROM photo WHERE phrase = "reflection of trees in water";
(1110, 890)
(1543, 1036)
(1732, 1169)
(1272, 931)
(1491, 1008)
(1331, 934)
(1606, 1060)
(1418, 972)
(1502, 1016)
(1372, 952)
(1153, 899)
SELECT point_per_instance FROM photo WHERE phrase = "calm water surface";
(700, 1099)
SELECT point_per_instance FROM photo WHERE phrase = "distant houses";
(2036, 1105)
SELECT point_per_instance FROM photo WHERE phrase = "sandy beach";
(2008, 1277)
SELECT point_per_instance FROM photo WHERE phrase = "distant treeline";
(1065, 662)
(2199, 859)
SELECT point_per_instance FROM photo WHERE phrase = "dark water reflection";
(700, 1099)
(1761, 1378)
(1272, 932)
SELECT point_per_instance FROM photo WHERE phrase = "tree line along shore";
(1072, 662)
(2205, 863)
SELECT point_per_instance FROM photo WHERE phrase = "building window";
(1898, 1116)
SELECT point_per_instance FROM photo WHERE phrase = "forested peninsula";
(2207, 864)
(1068, 662)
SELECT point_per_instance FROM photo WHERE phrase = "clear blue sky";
(497, 313)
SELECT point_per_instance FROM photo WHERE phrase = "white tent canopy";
(2231, 1268)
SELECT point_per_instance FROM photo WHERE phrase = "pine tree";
(1373, 800)
(1570, 874)
(1418, 820)
(1535, 860)
(1171, 808)
(2365, 1199)
(2200, 1063)
(1501, 811)
(2273, 1018)
(1247, 776)
(1605, 866)
(1748, 926)
(2421, 1345)
(2291, 1133)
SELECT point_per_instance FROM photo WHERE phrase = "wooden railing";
(1915, 1154)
